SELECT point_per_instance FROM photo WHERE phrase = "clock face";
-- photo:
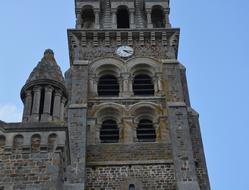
(125, 51)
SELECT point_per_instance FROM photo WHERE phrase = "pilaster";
(186, 177)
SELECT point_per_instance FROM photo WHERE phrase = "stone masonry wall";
(131, 152)
(144, 177)
(36, 171)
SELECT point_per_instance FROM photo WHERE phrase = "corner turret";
(44, 94)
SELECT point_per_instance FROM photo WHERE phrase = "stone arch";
(106, 111)
(35, 143)
(123, 17)
(88, 17)
(146, 110)
(158, 16)
(144, 64)
(2, 141)
(106, 66)
(18, 142)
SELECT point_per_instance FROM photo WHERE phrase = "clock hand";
(127, 51)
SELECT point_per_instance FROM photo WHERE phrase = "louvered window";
(143, 85)
(108, 86)
(146, 131)
(109, 132)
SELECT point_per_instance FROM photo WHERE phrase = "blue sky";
(213, 47)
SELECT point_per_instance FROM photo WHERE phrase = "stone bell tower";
(131, 125)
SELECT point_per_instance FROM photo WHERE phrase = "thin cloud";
(10, 113)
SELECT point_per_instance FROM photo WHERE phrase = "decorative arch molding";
(99, 65)
(108, 111)
(154, 64)
(146, 109)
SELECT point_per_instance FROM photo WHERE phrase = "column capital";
(58, 93)
(49, 88)
(28, 93)
(37, 88)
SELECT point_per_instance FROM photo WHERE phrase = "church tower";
(121, 118)
(130, 122)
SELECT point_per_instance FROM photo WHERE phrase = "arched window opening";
(108, 86)
(146, 131)
(109, 132)
(88, 17)
(143, 85)
(158, 17)
(18, 142)
(51, 142)
(2, 141)
(35, 143)
(123, 19)
(132, 187)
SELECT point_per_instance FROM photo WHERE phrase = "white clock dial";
(125, 51)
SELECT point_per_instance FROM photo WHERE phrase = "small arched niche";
(18, 142)
(2, 141)
(88, 17)
(52, 141)
(158, 17)
(35, 143)
(132, 187)
(123, 17)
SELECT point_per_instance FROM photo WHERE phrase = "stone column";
(27, 106)
(128, 134)
(154, 79)
(131, 85)
(149, 21)
(126, 84)
(79, 19)
(36, 104)
(96, 12)
(159, 84)
(132, 19)
(167, 23)
(114, 18)
(63, 102)
(46, 116)
(57, 105)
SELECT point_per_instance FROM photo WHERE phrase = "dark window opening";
(132, 187)
(145, 131)
(108, 86)
(143, 85)
(42, 99)
(52, 103)
(158, 17)
(109, 132)
(2, 140)
(88, 18)
(123, 20)
(32, 101)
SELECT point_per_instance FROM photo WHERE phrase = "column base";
(34, 118)
(46, 118)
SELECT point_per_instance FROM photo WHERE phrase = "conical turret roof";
(47, 69)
